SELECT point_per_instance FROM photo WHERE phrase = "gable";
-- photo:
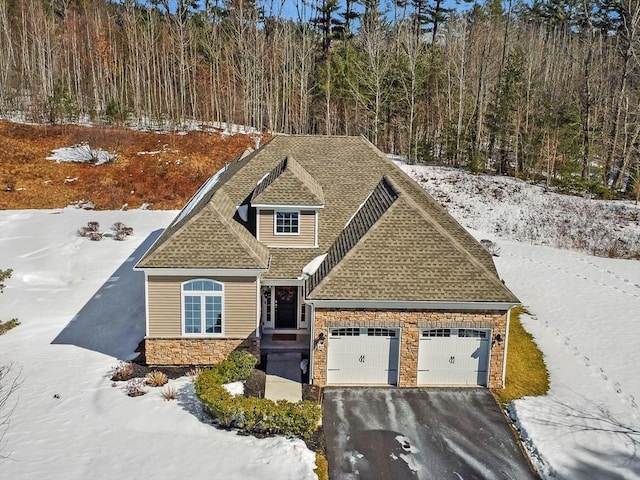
(288, 184)
(211, 238)
(405, 255)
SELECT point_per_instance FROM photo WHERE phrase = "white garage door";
(362, 356)
(453, 356)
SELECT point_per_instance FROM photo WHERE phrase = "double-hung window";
(202, 302)
(287, 223)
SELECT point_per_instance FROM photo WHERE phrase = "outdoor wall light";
(320, 342)
(321, 337)
(498, 339)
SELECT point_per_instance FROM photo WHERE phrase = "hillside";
(162, 170)
(512, 209)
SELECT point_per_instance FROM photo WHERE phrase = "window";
(202, 303)
(287, 223)
(439, 332)
(465, 332)
(345, 332)
(381, 332)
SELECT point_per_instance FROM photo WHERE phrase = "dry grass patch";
(156, 378)
(527, 374)
(322, 467)
(169, 393)
(164, 170)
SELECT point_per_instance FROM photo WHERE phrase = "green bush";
(249, 414)
(237, 366)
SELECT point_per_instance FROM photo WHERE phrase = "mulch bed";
(254, 385)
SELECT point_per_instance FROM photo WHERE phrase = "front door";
(286, 304)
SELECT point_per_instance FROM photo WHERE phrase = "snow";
(204, 189)
(510, 208)
(81, 154)
(81, 309)
(311, 267)
(234, 388)
(243, 212)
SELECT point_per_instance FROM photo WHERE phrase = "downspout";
(312, 337)
(146, 304)
(259, 307)
(506, 344)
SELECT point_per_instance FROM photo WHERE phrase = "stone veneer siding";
(410, 322)
(195, 351)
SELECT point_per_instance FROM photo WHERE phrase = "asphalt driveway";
(438, 433)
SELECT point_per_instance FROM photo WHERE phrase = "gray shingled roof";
(398, 244)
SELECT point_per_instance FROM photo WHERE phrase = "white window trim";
(202, 294)
(275, 222)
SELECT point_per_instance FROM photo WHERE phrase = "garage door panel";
(364, 358)
(453, 357)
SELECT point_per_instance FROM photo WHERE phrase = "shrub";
(249, 414)
(491, 247)
(6, 326)
(135, 387)
(156, 378)
(243, 362)
(122, 371)
(118, 226)
(169, 393)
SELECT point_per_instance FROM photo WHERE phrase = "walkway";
(284, 378)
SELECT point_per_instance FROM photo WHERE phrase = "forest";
(548, 91)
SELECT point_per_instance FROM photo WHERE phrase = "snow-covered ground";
(82, 309)
(585, 315)
(76, 300)
(510, 208)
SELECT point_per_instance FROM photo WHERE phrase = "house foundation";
(195, 351)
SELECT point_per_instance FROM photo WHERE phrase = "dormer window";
(287, 223)
(286, 202)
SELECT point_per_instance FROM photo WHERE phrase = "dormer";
(287, 201)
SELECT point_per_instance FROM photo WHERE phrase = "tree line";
(548, 91)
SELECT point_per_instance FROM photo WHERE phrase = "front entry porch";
(283, 310)
(285, 341)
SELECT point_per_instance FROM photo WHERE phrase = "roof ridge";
(225, 210)
(371, 210)
(269, 178)
(305, 177)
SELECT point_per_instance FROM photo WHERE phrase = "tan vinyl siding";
(165, 304)
(164, 307)
(306, 237)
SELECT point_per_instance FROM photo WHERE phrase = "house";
(325, 242)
